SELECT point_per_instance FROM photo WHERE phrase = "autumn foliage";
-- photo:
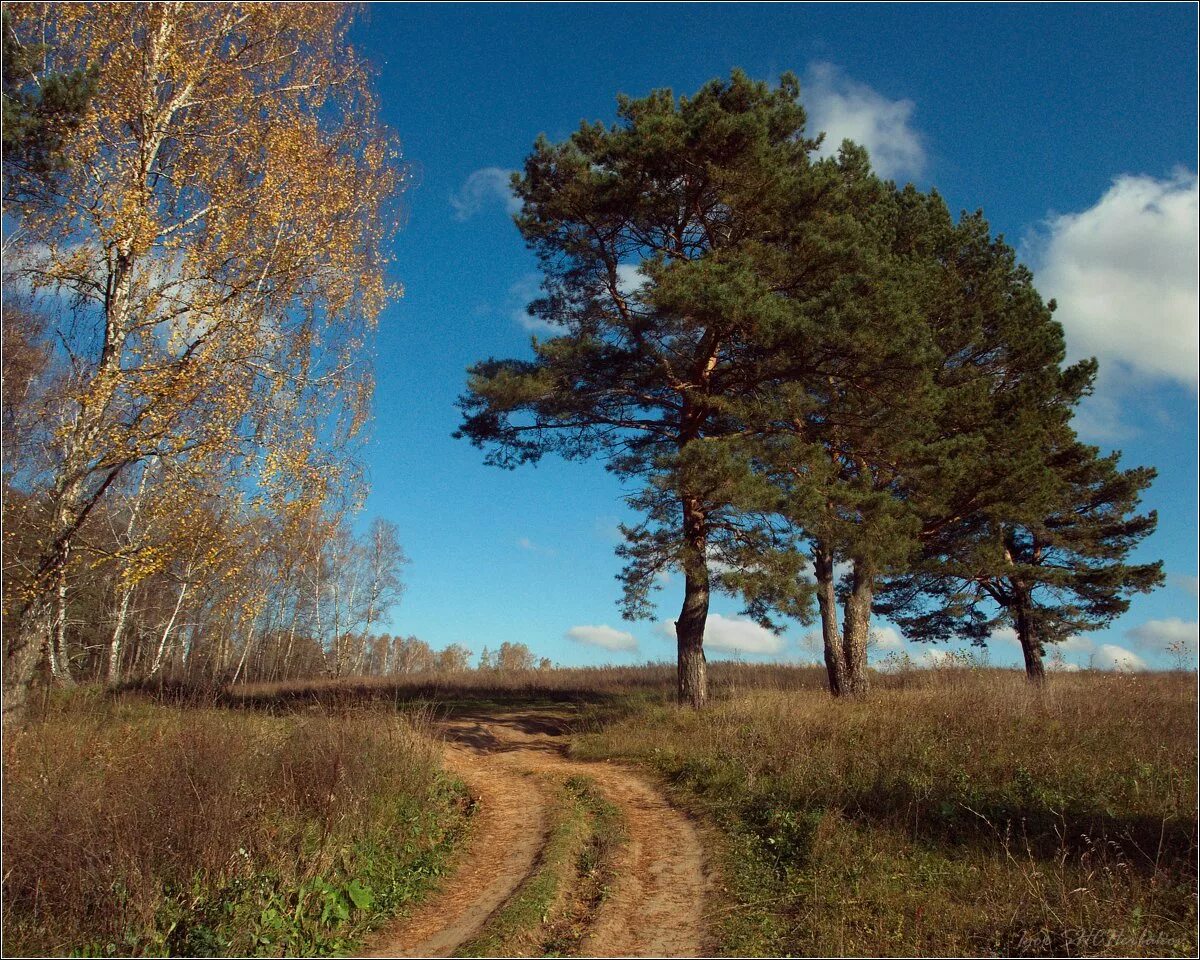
(207, 262)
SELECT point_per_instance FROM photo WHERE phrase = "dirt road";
(656, 903)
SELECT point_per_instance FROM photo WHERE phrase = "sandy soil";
(656, 905)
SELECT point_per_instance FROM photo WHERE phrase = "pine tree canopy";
(39, 111)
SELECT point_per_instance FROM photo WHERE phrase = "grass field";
(132, 828)
(956, 811)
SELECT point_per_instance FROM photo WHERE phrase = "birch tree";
(221, 226)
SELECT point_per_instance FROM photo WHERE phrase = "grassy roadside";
(133, 829)
(549, 914)
(952, 815)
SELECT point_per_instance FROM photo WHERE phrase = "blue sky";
(1072, 126)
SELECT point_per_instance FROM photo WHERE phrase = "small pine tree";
(1047, 574)
(40, 111)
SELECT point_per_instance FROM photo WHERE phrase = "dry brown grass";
(955, 811)
(135, 828)
(582, 684)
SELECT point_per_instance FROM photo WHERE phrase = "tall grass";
(653, 681)
(132, 828)
(956, 811)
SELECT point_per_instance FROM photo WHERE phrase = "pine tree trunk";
(857, 628)
(835, 661)
(689, 628)
(1031, 643)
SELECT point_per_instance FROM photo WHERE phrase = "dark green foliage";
(913, 387)
(813, 364)
(1049, 565)
(41, 108)
(702, 197)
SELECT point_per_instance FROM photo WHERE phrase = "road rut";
(656, 903)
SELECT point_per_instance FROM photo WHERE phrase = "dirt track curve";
(656, 904)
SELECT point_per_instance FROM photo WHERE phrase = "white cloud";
(1185, 582)
(526, 544)
(1100, 418)
(733, 635)
(931, 657)
(1109, 656)
(603, 636)
(846, 109)
(1076, 644)
(887, 639)
(1124, 275)
(520, 295)
(629, 279)
(1161, 635)
(484, 188)
(1005, 635)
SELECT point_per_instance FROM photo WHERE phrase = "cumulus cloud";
(520, 295)
(846, 109)
(734, 636)
(484, 188)
(1110, 656)
(1163, 636)
(1185, 582)
(1124, 275)
(887, 639)
(931, 657)
(603, 636)
(1004, 635)
(1076, 644)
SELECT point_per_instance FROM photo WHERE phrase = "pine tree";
(658, 237)
(1048, 568)
(41, 110)
(854, 406)
(923, 397)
